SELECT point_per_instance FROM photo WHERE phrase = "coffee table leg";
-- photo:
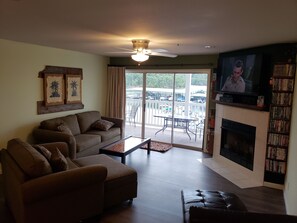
(124, 159)
(149, 147)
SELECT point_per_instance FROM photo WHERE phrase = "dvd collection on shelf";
(279, 123)
(279, 126)
(276, 139)
(283, 84)
(283, 113)
(276, 166)
(287, 70)
(277, 153)
(282, 99)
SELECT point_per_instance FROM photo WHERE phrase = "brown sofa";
(37, 190)
(79, 133)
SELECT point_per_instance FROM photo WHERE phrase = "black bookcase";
(282, 82)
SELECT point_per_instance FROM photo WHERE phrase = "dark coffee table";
(126, 146)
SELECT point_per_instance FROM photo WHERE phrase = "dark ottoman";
(209, 199)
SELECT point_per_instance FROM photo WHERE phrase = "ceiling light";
(209, 47)
(140, 57)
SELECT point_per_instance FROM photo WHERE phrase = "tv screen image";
(240, 74)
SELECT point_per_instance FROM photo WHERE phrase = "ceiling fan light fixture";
(140, 57)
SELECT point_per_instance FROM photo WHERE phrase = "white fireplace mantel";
(234, 172)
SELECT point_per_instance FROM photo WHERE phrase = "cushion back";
(72, 123)
(86, 119)
(51, 124)
(33, 163)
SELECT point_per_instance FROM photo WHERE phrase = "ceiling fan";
(141, 52)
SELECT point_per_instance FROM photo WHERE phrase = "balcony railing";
(155, 107)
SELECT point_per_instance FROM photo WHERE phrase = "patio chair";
(132, 113)
(199, 128)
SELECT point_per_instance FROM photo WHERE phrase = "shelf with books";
(279, 123)
(276, 153)
(283, 84)
(283, 113)
(284, 70)
(279, 126)
(275, 166)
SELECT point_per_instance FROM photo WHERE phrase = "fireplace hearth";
(238, 142)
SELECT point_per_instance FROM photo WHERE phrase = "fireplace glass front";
(238, 142)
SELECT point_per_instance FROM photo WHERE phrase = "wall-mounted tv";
(239, 74)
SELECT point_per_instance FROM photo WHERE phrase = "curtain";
(116, 92)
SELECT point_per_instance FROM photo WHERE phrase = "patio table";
(178, 121)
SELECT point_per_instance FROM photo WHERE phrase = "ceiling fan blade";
(130, 52)
(159, 50)
(125, 49)
(163, 54)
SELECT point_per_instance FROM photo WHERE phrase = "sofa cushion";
(106, 135)
(51, 124)
(33, 163)
(85, 141)
(71, 164)
(102, 125)
(44, 151)
(58, 161)
(64, 128)
(86, 119)
(72, 123)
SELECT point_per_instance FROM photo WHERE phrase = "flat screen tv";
(239, 74)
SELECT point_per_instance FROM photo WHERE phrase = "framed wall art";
(54, 89)
(73, 89)
(62, 87)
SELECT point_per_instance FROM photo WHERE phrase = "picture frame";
(73, 89)
(54, 91)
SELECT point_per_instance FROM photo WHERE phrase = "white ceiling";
(182, 27)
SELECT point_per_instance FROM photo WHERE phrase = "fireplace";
(236, 173)
(238, 142)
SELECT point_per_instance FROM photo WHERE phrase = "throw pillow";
(58, 161)
(102, 125)
(44, 151)
(64, 128)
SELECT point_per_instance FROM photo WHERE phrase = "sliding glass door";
(134, 104)
(159, 106)
(170, 107)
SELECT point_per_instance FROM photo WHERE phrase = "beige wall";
(20, 87)
(290, 191)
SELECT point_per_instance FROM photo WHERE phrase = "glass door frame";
(174, 72)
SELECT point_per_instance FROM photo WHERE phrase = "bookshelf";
(279, 122)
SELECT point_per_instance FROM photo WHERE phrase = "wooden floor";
(162, 176)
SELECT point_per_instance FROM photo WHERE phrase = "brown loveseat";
(80, 132)
(55, 188)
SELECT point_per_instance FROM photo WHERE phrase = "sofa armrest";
(46, 136)
(118, 122)
(65, 182)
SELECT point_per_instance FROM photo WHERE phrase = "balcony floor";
(180, 137)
